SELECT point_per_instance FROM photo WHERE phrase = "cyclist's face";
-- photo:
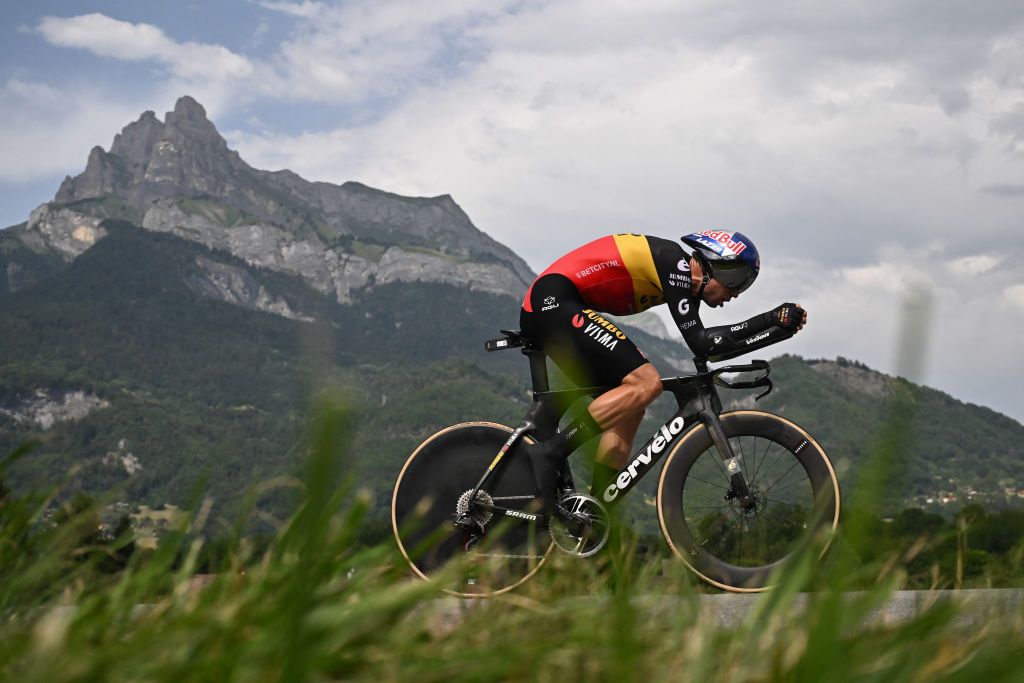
(716, 294)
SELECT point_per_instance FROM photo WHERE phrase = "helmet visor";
(734, 274)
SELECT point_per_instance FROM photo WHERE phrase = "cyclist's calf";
(616, 444)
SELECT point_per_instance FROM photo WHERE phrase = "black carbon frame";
(698, 402)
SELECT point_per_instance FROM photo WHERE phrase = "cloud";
(49, 132)
(866, 148)
(549, 120)
(305, 10)
(862, 319)
(663, 137)
(974, 265)
(353, 52)
(123, 40)
(1010, 125)
(367, 49)
(1015, 295)
(1006, 190)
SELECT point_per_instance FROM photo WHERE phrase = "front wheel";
(794, 495)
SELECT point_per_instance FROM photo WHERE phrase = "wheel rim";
(490, 570)
(714, 570)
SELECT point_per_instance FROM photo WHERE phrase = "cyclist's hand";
(790, 317)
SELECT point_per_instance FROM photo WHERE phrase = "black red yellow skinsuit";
(624, 274)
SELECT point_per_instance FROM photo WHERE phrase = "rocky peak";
(103, 174)
(189, 119)
(149, 159)
(186, 108)
(136, 141)
(179, 176)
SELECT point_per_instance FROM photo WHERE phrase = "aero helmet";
(729, 257)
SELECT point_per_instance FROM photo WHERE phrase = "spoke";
(697, 522)
(764, 457)
(735, 524)
(701, 518)
(696, 526)
(791, 483)
(798, 480)
(754, 457)
(704, 481)
(760, 537)
(767, 543)
(782, 502)
(783, 475)
(739, 556)
(696, 497)
(718, 462)
(743, 456)
(705, 507)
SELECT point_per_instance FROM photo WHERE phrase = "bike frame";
(698, 402)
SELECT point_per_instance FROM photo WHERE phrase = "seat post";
(538, 369)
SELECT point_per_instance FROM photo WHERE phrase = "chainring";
(572, 541)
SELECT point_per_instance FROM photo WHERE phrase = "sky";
(873, 151)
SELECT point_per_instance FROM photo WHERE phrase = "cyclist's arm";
(728, 341)
(721, 347)
(725, 341)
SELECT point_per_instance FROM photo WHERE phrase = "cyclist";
(624, 274)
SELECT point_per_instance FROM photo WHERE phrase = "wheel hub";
(478, 510)
(751, 505)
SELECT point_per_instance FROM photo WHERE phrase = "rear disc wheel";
(433, 490)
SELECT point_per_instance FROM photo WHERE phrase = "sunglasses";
(733, 274)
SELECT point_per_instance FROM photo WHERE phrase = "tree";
(917, 522)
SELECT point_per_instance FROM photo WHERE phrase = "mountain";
(178, 176)
(117, 359)
(169, 314)
(168, 317)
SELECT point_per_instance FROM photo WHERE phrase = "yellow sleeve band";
(636, 255)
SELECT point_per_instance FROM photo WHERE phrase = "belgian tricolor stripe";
(637, 257)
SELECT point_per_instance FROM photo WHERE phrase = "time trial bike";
(738, 493)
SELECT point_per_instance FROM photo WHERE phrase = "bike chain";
(510, 557)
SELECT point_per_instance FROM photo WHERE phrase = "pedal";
(576, 524)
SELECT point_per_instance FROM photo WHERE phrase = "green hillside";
(199, 387)
(204, 395)
(20, 266)
(957, 448)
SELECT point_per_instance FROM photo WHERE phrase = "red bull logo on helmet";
(723, 242)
